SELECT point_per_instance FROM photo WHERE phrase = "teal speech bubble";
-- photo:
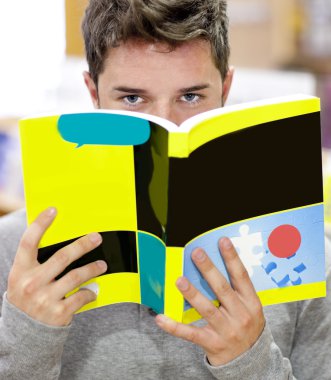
(103, 129)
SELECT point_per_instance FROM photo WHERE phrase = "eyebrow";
(198, 87)
(129, 90)
(184, 90)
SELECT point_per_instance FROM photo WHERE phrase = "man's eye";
(190, 98)
(132, 99)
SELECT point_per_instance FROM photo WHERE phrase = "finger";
(188, 332)
(202, 304)
(238, 274)
(77, 277)
(77, 300)
(218, 283)
(28, 248)
(57, 263)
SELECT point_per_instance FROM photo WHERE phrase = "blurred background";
(279, 47)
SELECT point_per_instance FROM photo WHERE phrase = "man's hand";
(233, 327)
(32, 286)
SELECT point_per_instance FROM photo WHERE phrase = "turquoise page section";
(152, 271)
(103, 129)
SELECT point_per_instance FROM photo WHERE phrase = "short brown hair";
(107, 23)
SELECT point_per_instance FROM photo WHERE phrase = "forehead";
(136, 59)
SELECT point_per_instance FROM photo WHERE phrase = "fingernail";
(51, 211)
(199, 254)
(182, 283)
(102, 264)
(95, 238)
(161, 319)
(226, 243)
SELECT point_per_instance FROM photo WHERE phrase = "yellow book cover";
(156, 191)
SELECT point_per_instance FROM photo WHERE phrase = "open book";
(155, 191)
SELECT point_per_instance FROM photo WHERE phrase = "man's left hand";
(234, 326)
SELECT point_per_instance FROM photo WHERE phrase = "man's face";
(146, 77)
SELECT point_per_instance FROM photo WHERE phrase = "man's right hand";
(32, 287)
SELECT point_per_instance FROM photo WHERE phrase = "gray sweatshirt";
(123, 342)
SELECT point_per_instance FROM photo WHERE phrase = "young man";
(170, 59)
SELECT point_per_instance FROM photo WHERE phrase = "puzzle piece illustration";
(284, 271)
(250, 248)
